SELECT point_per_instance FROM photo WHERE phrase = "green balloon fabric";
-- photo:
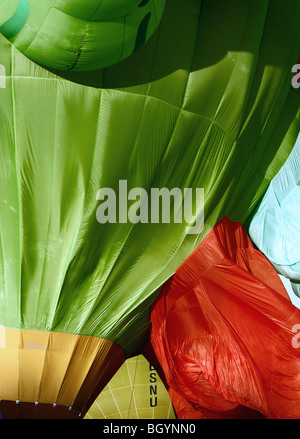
(206, 103)
(16, 22)
(79, 35)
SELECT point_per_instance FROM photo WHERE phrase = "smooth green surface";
(80, 35)
(207, 102)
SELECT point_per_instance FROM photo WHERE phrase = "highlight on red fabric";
(223, 330)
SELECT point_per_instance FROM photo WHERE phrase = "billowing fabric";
(275, 227)
(206, 103)
(76, 34)
(223, 331)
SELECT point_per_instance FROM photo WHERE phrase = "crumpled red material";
(223, 331)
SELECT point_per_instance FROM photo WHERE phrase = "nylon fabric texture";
(45, 372)
(223, 331)
(15, 23)
(80, 35)
(275, 227)
(204, 99)
(205, 103)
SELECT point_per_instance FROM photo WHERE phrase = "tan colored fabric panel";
(30, 365)
(58, 356)
(49, 368)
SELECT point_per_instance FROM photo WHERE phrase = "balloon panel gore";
(136, 391)
(46, 371)
(77, 36)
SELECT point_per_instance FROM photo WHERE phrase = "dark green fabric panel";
(206, 103)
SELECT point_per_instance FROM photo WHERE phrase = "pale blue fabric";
(275, 227)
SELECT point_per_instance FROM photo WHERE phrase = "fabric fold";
(222, 330)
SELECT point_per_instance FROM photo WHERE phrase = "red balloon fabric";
(223, 330)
